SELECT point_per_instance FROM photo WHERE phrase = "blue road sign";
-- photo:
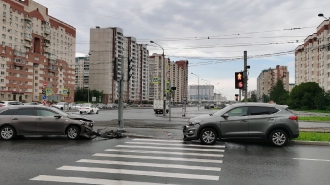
(44, 97)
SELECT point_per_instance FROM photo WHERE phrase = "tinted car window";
(259, 110)
(239, 111)
(273, 110)
(8, 112)
(43, 112)
(25, 112)
(15, 103)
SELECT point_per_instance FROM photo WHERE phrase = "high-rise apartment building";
(36, 49)
(176, 74)
(312, 58)
(82, 72)
(268, 78)
(108, 45)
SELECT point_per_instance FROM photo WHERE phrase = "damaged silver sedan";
(42, 120)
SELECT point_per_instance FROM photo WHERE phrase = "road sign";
(45, 84)
(155, 80)
(93, 98)
(49, 91)
(44, 102)
(44, 97)
(65, 91)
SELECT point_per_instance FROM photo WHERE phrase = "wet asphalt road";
(242, 163)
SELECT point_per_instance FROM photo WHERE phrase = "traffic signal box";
(239, 80)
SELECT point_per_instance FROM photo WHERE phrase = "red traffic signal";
(239, 80)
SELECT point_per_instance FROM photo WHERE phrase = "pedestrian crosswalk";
(144, 161)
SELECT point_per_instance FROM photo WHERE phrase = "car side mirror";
(225, 116)
(57, 116)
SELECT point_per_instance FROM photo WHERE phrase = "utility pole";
(120, 98)
(245, 76)
(198, 90)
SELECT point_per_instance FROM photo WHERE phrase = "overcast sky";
(203, 31)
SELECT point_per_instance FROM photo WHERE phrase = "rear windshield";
(287, 109)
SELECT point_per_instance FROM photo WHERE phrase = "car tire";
(7, 133)
(208, 136)
(81, 112)
(278, 138)
(61, 108)
(97, 112)
(73, 132)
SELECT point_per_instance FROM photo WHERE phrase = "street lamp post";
(321, 15)
(197, 90)
(164, 79)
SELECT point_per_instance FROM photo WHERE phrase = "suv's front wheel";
(278, 137)
(208, 136)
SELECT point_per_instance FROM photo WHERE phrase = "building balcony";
(47, 30)
(52, 57)
(52, 68)
(47, 44)
(52, 62)
(27, 44)
(27, 37)
(19, 62)
(28, 19)
(46, 50)
(19, 53)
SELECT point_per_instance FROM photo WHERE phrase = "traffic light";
(43, 91)
(239, 80)
(236, 97)
(115, 69)
(129, 69)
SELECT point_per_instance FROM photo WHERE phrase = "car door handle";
(243, 121)
(14, 119)
(271, 119)
(38, 118)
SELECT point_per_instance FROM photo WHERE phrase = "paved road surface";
(56, 160)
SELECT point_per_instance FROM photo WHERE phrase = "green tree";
(278, 94)
(265, 98)
(254, 97)
(303, 96)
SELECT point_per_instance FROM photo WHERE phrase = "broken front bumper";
(190, 132)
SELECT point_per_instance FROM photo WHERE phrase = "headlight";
(194, 122)
(90, 124)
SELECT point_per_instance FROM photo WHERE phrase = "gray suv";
(245, 120)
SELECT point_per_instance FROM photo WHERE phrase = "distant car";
(41, 120)
(88, 108)
(33, 103)
(272, 122)
(9, 103)
(60, 105)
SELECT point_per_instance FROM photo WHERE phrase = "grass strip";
(314, 118)
(313, 136)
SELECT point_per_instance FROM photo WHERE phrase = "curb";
(319, 143)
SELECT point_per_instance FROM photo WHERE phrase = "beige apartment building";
(312, 58)
(35, 49)
(176, 74)
(82, 72)
(108, 45)
(268, 78)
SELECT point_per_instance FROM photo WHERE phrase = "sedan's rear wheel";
(208, 136)
(278, 138)
(97, 112)
(73, 132)
(7, 133)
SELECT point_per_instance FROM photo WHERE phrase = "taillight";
(293, 117)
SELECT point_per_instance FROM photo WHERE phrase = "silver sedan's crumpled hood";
(78, 117)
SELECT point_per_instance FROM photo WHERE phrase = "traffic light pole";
(120, 98)
(245, 76)
(239, 95)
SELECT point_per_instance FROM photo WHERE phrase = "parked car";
(9, 103)
(245, 120)
(88, 108)
(101, 105)
(42, 120)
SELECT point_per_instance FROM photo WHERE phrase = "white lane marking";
(159, 140)
(188, 167)
(177, 144)
(163, 152)
(307, 159)
(83, 180)
(139, 172)
(171, 148)
(159, 158)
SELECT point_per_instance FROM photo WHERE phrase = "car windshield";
(222, 111)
